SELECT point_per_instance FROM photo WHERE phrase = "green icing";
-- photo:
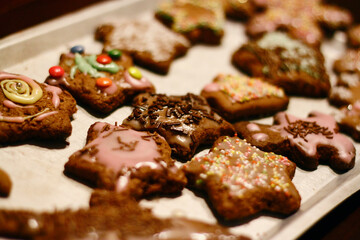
(85, 67)
(111, 67)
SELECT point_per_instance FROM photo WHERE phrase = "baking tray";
(36, 168)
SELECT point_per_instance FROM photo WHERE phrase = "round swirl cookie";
(241, 180)
(149, 43)
(186, 122)
(307, 142)
(286, 62)
(32, 110)
(126, 161)
(103, 82)
(236, 97)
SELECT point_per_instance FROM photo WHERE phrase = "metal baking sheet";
(36, 168)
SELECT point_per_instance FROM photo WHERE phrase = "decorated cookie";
(5, 184)
(301, 18)
(111, 216)
(286, 62)
(32, 110)
(348, 119)
(242, 180)
(307, 142)
(151, 44)
(102, 82)
(199, 21)
(126, 161)
(239, 9)
(186, 122)
(353, 35)
(347, 88)
(236, 97)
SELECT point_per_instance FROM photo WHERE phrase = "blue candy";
(77, 49)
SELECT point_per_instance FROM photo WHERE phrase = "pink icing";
(309, 145)
(45, 115)
(5, 75)
(260, 137)
(111, 89)
(135, 83)
(55, 94)
(253, 127)
(144, 153)
(212, 87)
(10, 104)
(12, 119)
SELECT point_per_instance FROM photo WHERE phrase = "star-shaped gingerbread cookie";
(301, 18)
(242, 180)
(199, 21)
(186, 122)
(307, 142)
(32, 110)
(130, 162)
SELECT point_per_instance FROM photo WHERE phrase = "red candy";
(103, 59)
(103, 82)
(56, 71)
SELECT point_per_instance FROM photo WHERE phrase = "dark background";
(15, 15)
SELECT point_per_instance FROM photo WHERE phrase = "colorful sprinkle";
(103, 59)
(103, 82)
(135, 72)
(56, 71)
(77, 49)
(115, 54)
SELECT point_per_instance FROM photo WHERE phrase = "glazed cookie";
(117, 218)
(127, 161)
(151, 44)
(347, 89)
(353, 35)
(236, 97)
(286, 62)
(306, 26)
(5, 184)
(32, 110)
(239, 9)
(241, 180)
(103, 82)
(307, 142)
(186, 122)
(348, 119)
(200, 21)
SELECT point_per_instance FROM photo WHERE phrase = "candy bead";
(77, 49)
(56, 71)
(135, 73)
(115, 53)
(103, 82)
(103, 59)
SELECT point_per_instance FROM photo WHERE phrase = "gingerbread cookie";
(32, 110)
(239, 9)
(241, 180)
(353, 35)
(286, 62)
(186, 122)
(151, 44)
(5, 184)
(347, 89)
(126, 161)
(102, 82)
(236, 97)
(303, 19)
(200, 21)
(348, 119)
(307, 142)
(116, 218)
